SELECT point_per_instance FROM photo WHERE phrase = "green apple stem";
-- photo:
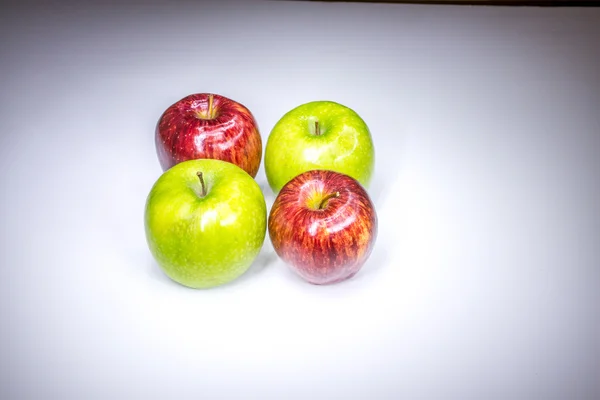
(327, 198)
(317, 129)
(203, 193)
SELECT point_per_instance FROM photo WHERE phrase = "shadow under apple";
(265, 259)
(268, 194)
(157, 273)
(384, 177)
(376, 262)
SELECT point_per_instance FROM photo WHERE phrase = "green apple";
(319, 135)
(205, 222)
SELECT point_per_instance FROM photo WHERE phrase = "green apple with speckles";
(205, 222)
(319, 135)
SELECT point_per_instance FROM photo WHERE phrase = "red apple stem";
(317, 129)
(203, 193)
(327, 198)
(210, 106)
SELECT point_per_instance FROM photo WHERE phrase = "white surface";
(485, 280)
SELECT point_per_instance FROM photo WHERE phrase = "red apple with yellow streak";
(206, 125)
(323, 225)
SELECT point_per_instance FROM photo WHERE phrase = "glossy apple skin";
(185, 132)
(205, 241)
(328, 245)
(343, 143)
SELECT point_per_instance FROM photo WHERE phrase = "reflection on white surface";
(484, 282)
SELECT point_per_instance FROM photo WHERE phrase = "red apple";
(323, 225)
(207, 125)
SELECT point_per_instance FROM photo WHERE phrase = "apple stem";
(317, 129)
(326, 198)
(203, 193)
(210, 106)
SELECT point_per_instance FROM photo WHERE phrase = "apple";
(319, 135)
(207, 125)
(323, 225)
(205, 222)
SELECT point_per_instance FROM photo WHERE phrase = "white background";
(485, 279)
